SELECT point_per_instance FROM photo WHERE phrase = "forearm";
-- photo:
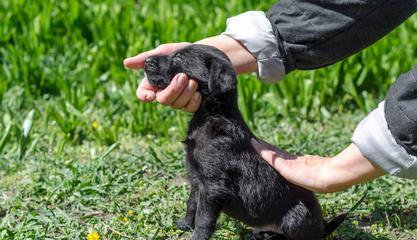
(348, 168)
(242, 60)
(384, 142)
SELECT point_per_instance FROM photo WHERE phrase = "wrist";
(335, 178)
(349, 168)
(242, 60)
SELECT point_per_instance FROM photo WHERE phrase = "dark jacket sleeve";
(401, 111)
(388, 135)
(312, 34)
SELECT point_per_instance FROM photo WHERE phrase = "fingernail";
(149, 97)
(192, 86)
(196, 96)
(182, 79)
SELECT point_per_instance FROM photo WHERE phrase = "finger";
(174, 89)
(273, 157)
(298, 172)
(185, 96)
(279, 152)
(146, 92)
(194, 103)
(266, 144)
(266, 153)
(138, 61)
(282, 165)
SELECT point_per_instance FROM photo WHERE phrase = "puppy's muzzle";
(151, 65)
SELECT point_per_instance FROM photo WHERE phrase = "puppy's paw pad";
(185, 225)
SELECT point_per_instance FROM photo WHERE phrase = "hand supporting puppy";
(182, 92)
(320, 174)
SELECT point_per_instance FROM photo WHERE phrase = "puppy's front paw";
(185, 224)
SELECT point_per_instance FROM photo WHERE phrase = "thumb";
(138, 61)
(145, 91)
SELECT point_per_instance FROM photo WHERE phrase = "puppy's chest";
(215, 145)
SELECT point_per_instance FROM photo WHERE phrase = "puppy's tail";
(330, 227)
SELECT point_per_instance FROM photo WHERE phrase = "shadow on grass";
(394, 219)
(349, 231)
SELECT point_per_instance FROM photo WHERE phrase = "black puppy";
(225, 172)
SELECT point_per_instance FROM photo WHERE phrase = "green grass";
(61, 194)
(90, 152)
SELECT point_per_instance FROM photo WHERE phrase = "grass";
(137, 190)
(78, 152)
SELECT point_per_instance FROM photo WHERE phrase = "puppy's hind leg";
(187, 223)
(208, 211)
(301, 223)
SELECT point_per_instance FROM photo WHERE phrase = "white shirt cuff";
(376, 143)
(255, 32)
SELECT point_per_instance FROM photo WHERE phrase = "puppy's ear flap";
(222, 77)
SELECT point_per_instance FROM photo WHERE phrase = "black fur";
(225, 172)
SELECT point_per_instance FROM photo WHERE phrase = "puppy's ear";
(222, 77)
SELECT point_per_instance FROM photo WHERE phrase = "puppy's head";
(207, 65)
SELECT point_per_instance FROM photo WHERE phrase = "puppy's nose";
(151, 64)
(151, 60)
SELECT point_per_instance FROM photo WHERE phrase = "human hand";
(181, 93)
(305, 171)
(320, 174)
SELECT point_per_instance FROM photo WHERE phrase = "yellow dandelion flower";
(333, 235)
(125, 219)
(130, 213)
(95, 125)
(93, 235)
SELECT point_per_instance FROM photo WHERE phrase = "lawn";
(79, 154)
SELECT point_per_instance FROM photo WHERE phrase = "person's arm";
(242, 59)
(314, 34)
(292, 35)
(385, 142)
(388, 135)
(297, 34)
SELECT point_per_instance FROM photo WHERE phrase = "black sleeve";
(401, 111)
(312, 34)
